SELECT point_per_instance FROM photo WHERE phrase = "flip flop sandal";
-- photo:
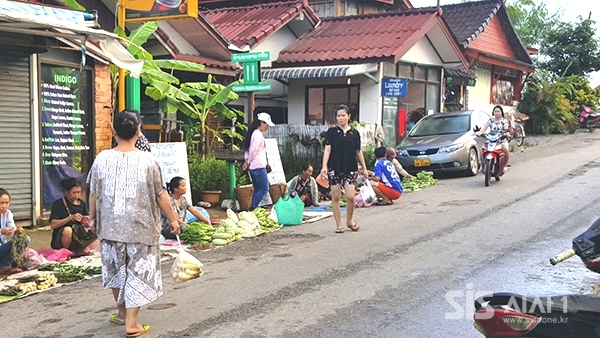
(139, 333)
(382, 203)
(339, 231)
(115, 320)
(354, 227)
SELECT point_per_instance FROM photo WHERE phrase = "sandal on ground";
(339, 231)
(382, 203)
(354, 227)
(115, 320)
(139, 333)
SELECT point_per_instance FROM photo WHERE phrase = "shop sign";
(66, 125)
(252, 76)
(173, 161)
(155, 10)
(394, 87)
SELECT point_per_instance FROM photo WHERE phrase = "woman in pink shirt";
(256, 157)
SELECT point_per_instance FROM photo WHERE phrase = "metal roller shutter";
(15, 132)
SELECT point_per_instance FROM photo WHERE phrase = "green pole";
(133, 93)
(232, 180)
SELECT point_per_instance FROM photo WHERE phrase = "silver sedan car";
(444, 142)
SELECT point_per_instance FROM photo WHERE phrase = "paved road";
(387, 280)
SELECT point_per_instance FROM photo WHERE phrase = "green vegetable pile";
(422, 180)
(197, 233)
(67, 273)
(266, 224)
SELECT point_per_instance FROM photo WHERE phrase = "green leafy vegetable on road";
(422, 180)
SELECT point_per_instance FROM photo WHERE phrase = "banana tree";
(160, 85)
(210, 99)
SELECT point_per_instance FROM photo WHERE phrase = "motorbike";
(588, 118)
(492, 157)
(502, 315)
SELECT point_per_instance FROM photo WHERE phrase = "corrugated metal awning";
(25, 18)
(317, 71)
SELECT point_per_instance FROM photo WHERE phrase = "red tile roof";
(165, 40)
(375, 37)
(251, 24)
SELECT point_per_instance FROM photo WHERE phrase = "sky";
(570, 9)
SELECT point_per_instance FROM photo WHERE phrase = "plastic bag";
(367, 193)
(186, 267)
(32, 260)
(289, 210)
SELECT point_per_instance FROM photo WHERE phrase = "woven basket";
(244, 196)
(276, 190)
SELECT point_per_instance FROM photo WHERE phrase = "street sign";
(259, 87)
(251, 57)
(394, 87)
(251, 72)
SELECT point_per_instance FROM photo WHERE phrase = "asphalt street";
(390, 279)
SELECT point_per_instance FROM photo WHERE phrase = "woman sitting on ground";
(305, 186)
(7, 230)
(69, 220)
(177, 188)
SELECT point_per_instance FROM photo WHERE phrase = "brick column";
(102, 106)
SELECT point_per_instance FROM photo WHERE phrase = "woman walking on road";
(256, 157)
(342, 148)
(126, 193)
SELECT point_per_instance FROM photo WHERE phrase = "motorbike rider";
(498, 124)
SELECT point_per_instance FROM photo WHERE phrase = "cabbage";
(250, 217)
(232, 216)
(246, 225)
(228, 223)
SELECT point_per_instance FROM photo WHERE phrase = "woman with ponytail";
(126, 197)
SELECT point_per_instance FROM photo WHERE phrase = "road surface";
(390, 279)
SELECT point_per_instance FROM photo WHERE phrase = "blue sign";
(393, 87)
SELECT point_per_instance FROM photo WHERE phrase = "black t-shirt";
(344, 146)
(60, 212)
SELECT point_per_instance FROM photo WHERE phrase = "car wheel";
(473, 163)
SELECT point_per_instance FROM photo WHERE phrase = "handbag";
(81, 236)
(367, 193)
(289, 210)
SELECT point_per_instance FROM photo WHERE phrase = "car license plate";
(424, 162)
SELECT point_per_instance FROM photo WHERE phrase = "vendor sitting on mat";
(386, 181)
(177, 188)
(69, 220)
(305, 186)
(8, 230)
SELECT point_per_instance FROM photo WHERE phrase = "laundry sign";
(394, 87)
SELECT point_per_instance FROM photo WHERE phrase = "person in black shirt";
(69, 220)
(342, 149)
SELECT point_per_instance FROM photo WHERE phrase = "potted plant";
(207, 177)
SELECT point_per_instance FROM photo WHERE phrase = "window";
(503, 93)
(322, 101)
(67, 115)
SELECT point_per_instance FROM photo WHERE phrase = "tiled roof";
(467, 20)
(380, 36)
(201, 59)
(251, 24)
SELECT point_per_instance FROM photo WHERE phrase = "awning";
(24, 18)
(460, 76)
(318, 71)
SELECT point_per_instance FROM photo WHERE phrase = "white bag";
(186, 266)
(367, 193)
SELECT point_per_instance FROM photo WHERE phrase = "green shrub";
(208, 174)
